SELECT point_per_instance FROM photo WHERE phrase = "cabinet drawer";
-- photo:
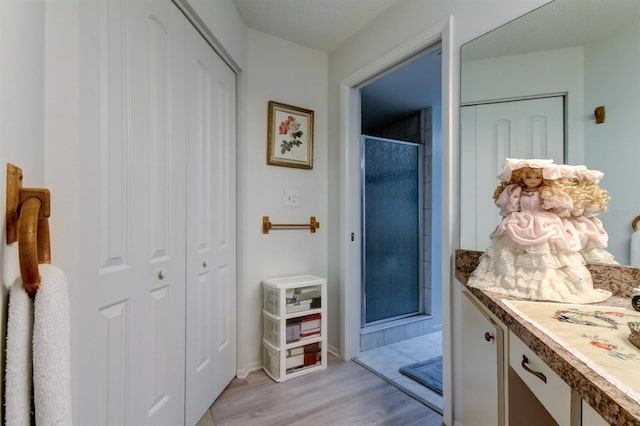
(555, 394)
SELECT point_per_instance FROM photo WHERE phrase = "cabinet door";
(211, 274)
(482, 367)
(590, 417)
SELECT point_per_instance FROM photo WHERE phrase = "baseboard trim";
(242, 373)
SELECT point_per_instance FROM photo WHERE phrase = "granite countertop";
(611, 403)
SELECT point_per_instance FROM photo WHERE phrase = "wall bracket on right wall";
(599, 113)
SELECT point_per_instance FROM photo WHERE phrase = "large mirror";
(565, 58)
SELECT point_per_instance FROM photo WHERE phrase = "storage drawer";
(270, 329)
(270, 360)
(554, 394)
(271, 300)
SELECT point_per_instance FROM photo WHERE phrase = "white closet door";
(211, 240)
(490, 133)
(156, 102)
(134, 317)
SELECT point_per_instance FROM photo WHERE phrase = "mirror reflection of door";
(392, 205)
(491, 132)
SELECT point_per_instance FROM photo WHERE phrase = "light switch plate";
(291, 197)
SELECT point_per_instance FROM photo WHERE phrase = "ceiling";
(325, 24)
(412, 86)
(319, 24)
(559, 24)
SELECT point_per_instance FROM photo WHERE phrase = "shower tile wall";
(427, 143)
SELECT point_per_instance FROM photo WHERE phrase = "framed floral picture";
(290, 138)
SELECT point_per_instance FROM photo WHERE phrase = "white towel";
(635, 249)
(51, 349)
(18, 361)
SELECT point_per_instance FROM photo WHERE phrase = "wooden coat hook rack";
(28, 210)
(267, 225)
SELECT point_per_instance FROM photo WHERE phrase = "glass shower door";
(391, 209)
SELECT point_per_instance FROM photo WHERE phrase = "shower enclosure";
(392, 228)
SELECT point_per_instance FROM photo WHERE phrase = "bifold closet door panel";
(157, 129)
(133, 351)
(211, 240)
(530, 128)
(137, 59)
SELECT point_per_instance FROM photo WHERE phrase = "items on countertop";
(635, 298)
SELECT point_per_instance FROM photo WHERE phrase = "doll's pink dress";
(593, 237)
(534, 254)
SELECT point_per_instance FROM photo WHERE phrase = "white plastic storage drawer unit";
(294, 324)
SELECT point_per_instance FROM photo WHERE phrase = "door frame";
(350, 131)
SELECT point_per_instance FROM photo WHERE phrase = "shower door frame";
(421, 239)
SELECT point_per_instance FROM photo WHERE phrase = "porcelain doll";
(589, 200)
(534, 254)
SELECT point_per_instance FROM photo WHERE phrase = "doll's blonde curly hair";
(549, 190)
(585, 193)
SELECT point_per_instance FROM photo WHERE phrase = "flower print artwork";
(291, 128)
(290, 136)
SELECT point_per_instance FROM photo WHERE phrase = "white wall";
(612, 66)
(285, 72)
(21, 105)
(21, 119)
(396, 28)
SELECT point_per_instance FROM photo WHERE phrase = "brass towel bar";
(28, 210)
(267, 225)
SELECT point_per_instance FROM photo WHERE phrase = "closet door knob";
(204, 263)
(162, 274)
(488, 336)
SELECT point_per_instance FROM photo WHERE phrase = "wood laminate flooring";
(343, 394)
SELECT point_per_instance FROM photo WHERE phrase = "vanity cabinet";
(483, 366)
(546, 395)
(505, 383)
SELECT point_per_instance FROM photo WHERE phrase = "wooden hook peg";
(599, 112)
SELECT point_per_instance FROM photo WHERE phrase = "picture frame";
(290, 136)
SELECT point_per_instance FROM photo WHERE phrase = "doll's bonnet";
(571, 172)
(549, 170)
(591, 175)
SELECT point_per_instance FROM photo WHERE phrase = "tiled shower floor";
(386, 362)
